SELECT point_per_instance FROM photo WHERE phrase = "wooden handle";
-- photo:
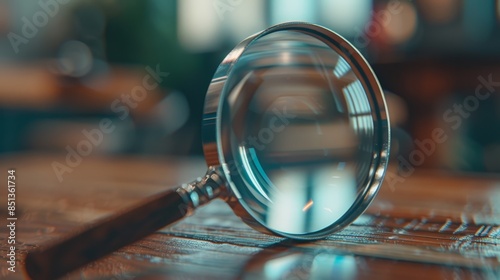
(106, 236)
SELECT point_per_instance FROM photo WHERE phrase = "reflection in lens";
(314, 204)
(301, 132)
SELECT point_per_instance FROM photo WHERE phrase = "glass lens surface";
(298, 132)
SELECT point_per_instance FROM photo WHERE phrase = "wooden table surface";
(432, 226)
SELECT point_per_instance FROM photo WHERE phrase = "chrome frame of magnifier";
(213, 142)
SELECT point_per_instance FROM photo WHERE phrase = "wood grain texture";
(433, 225)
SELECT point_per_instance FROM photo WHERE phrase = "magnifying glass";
(296, 137)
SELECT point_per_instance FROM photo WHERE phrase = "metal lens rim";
(217, 149)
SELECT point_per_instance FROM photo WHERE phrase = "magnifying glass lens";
(297, 132)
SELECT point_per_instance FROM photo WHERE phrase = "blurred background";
(67, 65)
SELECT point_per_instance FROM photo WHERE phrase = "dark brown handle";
(106, 236)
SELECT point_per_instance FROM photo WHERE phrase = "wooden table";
(432, 226)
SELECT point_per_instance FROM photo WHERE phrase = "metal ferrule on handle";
(201, 191)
